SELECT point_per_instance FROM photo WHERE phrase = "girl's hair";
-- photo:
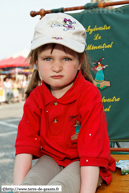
(35, 78)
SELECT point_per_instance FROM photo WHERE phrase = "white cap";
(60, 28)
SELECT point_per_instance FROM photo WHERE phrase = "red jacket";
(68, 129)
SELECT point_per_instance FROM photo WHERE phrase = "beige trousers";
(47, 172)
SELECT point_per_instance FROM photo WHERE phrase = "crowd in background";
(14, 89)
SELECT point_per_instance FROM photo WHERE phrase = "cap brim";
(68, 42)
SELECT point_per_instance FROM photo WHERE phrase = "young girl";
(63, 124)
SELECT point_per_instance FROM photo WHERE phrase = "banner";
(108, 47)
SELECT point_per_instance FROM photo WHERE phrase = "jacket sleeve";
(93, 139)
(28, 138)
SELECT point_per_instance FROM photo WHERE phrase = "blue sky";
(17, 26)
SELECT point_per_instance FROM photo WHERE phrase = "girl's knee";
(34, 179)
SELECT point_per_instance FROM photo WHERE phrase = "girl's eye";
(48, 59)
(67, 59)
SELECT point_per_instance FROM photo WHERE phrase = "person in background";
(8, 89)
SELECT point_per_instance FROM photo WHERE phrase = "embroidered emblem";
(71, 118)
(57, 38)
(99, 77)
(74, 119)
(66, 23)
(77, 129)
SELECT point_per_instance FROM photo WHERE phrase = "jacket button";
(55, 121)
(55, 103)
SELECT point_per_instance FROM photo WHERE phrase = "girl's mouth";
(57, 76)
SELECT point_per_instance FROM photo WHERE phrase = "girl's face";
(58, 67)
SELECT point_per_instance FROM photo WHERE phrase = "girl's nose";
(57, 66)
